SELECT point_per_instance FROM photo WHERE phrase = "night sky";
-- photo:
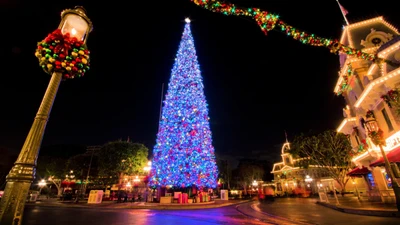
(256, 86)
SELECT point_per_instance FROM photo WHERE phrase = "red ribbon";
(65, 41)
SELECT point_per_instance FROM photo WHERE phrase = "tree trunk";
(121, 175)
(342, 185)
(59, 191)
(58, 186)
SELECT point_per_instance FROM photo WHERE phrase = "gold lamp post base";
(13, 202)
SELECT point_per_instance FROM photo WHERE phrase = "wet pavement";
(283, 211)
(306, 211)
(43, 215)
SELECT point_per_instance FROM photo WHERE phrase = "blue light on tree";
(184, 154)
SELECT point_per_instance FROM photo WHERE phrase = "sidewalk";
(137, 205)
(362, 207)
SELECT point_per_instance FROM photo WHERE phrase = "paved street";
(305, 210)
(41, 215)
(286, 211)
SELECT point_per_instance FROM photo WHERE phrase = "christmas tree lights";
(268, 21)
(184, 154)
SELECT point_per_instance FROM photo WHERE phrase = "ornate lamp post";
(376, 135)
(62, 54)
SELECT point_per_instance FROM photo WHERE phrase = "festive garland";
(345, 83)
(268, 21)
(363, 147)
(391, 97)
(64, 54)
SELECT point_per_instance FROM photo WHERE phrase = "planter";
(190, 201)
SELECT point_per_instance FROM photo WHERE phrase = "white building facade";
(366, 86)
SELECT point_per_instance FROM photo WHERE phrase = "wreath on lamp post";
(377, 137)
(62, 53)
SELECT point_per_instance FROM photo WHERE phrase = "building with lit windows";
(291, 178)
(367, 86)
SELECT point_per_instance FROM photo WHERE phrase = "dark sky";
(257, 86)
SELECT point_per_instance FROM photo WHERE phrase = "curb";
(365, 212)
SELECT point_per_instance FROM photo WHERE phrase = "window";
(387, 119)
(357, 139)
(371, 180)
(387, 179)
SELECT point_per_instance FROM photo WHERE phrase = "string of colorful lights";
(268, 21)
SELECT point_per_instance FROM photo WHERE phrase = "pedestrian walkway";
(362, 207)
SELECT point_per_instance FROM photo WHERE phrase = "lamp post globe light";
(41, 184)
(62, 54)
(376, 135)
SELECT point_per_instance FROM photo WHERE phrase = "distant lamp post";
(376, 135)
(254, 184)
(355, 187)
(64, 55)
(148, 167)
(41, 184)
(308, 180)
(136, 180)
(128, 185)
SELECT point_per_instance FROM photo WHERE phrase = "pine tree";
(184, 155)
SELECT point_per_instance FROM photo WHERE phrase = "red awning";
(357, 172)
(393, 156)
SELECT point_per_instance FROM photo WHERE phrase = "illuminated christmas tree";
(184, 155)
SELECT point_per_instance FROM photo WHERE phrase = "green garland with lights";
(64, 54)
(362, 147)
(345, 83)
(268, 21)
(392, 97)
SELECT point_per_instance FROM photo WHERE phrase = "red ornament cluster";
(62, 53)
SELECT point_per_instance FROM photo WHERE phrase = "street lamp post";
(308, 180)
(375, 133)
(63, 55)
(42, 183)
(148, 167)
